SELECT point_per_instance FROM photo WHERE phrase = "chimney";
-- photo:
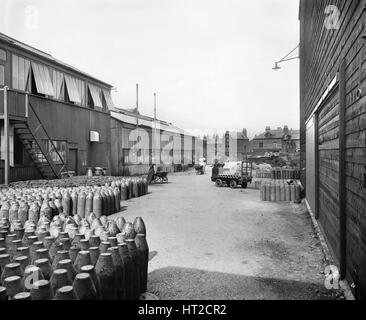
(285, 130)
(268, 129)
(245, 132)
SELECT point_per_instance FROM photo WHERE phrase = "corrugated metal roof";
(130, 118)
(47, 56)
(133, 112)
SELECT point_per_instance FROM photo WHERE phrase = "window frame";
(53, 155)
(3, 55)
(42, 76)
(95, 94)
(2, 75)
(28, 75)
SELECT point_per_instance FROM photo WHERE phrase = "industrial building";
(333, 128)
(139, 141)
(231, 145)
(237, 145)
(56, 119)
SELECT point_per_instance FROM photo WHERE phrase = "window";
(95, 94)
(61, 148)
(43, 79)
(58, 85)
(2, 55)
(2, 67)
(20, 73)
(260, 144)
(2, 75)
(75, 90)
(40, 157)
(108, 99)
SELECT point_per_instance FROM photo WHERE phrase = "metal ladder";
(35, 139)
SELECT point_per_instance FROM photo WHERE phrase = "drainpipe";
(342, 169)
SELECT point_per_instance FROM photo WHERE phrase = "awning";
(43, 79)
(108, 99)
(72, 89)
(95, 94)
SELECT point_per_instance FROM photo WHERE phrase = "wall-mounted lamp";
(287, 57)
(276, 67)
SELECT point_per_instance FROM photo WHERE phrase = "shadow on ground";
(173, 283)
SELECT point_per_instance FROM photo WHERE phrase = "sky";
(209, 61)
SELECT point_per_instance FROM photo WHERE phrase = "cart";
(233, 180)
(199, 169)
(158, 177)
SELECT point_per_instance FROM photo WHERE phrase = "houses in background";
(236, 146)
(276, 141)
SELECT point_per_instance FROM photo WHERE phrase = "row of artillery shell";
(43, 268)
(280, 191)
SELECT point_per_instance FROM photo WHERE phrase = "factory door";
(73, 160)
(311, 154)
(328, 169)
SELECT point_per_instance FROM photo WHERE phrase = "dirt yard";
(218, 243)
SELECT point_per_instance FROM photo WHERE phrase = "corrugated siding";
(321, 53)
(328, 148)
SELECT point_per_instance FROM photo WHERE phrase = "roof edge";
(44, 55)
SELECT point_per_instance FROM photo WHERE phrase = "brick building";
(277, 140)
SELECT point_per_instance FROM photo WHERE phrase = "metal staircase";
(40, 146)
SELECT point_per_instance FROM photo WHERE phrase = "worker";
(202, 162)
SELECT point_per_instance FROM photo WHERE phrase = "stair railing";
(53, 146)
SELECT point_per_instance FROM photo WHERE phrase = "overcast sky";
(210, 61)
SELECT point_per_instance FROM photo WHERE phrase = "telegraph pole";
(137, 105)
(155, 137)
(155, 106)
(6, 136)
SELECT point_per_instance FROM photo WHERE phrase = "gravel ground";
(217, 243)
